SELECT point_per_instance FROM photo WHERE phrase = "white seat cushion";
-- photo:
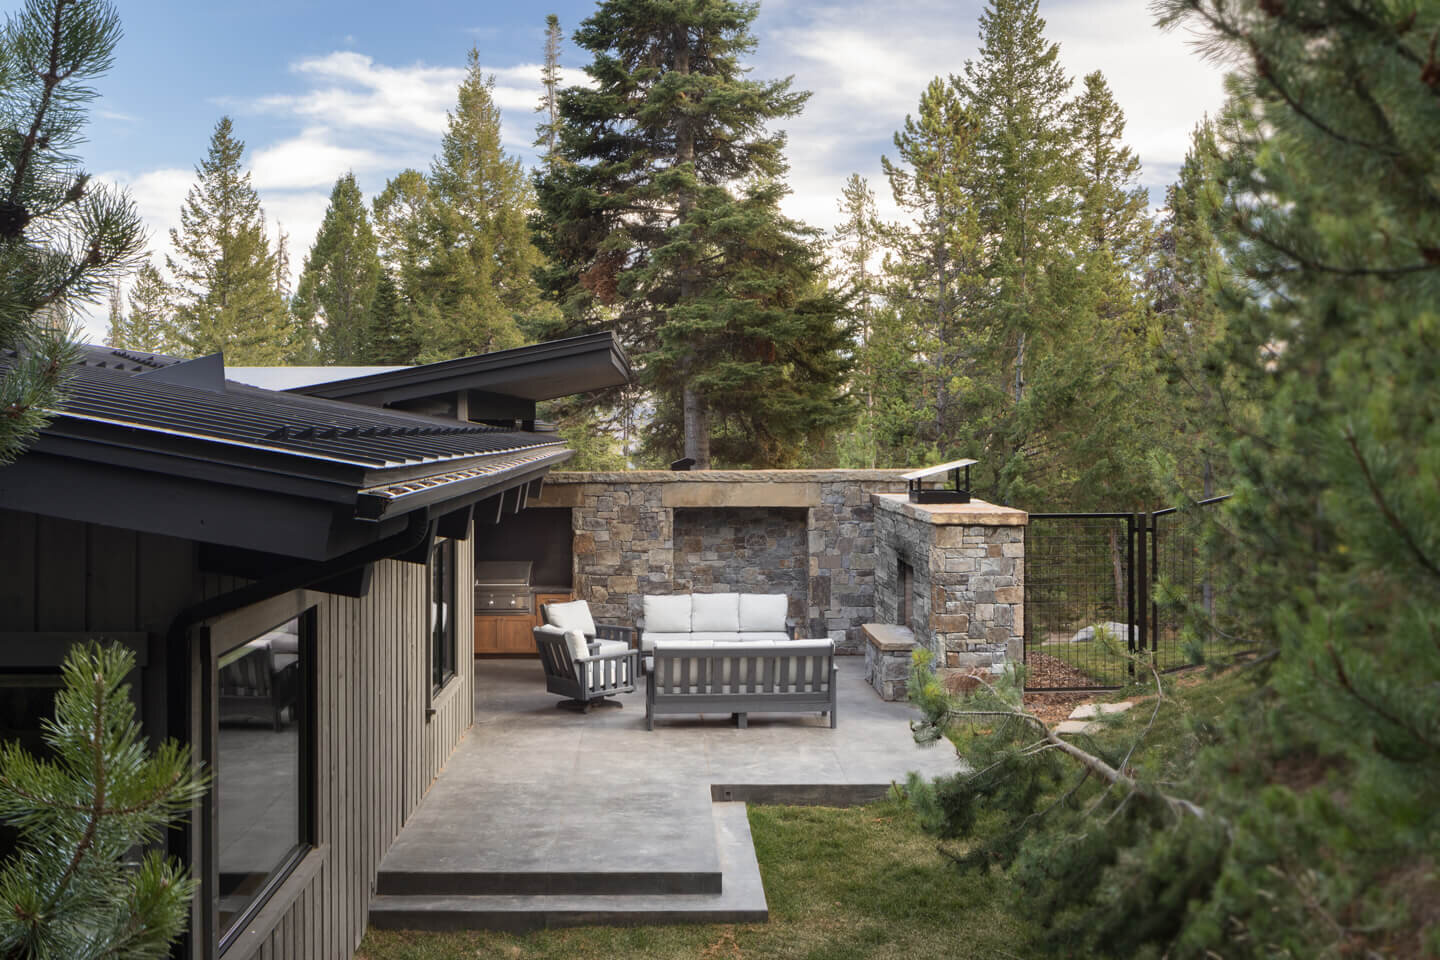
(721, 636)
(763, 635)
(574, 615)
(763, 612)
(710, 612)
(667, 614)
(648, 639)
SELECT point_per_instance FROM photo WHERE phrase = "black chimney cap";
(684, 463)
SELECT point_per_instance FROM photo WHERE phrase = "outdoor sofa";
(713, 618)
(741, 677)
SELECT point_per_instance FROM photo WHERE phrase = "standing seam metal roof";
(103, 388)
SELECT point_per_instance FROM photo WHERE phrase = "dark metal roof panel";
(106, 390)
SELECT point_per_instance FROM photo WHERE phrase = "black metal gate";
(1109, 593)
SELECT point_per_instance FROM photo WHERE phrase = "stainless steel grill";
(502, 586)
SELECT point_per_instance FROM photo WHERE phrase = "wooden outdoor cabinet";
(510, 633)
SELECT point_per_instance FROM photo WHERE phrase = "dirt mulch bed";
(1047, 671)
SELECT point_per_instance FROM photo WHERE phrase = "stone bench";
(888, 650)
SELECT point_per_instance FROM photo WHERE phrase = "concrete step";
(740, 897)
(577, 839)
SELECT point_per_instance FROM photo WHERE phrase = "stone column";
(968, 575)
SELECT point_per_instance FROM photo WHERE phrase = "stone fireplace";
(949, 578)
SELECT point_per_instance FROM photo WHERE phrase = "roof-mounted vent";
(202, 373)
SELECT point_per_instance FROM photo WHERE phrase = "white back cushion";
(575, 642)
(574, 615)
(763, 612)
(667, 614)
(712, 612)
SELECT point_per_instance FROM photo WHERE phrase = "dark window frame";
(442, 652)
(221, 637)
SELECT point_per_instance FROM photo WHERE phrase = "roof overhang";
(544, 371)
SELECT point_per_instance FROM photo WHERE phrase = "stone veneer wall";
(968, 563)
(627, 544)
(744, 550)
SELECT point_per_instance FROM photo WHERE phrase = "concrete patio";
(545, 817)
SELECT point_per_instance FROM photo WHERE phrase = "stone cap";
(976, 513)
(722, 476)
(889, 636)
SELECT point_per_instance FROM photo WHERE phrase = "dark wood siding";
(378, 752)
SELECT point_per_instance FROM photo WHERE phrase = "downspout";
(177, 641)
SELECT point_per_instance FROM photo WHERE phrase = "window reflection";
(27, 700)
(442, 613)
(258, 766)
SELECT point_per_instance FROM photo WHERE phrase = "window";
(27, 700)
(262, 763)
(442, 613)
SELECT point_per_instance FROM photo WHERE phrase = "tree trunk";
(696, 417)
(697, 429)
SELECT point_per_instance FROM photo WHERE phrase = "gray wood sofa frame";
(687, 680)
(585, 681)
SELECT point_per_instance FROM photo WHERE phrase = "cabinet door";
(485, 636)
(548, 598)
(513, 635)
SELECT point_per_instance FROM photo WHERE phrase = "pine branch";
(1394, 521)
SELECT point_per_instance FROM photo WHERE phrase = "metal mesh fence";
(1101, 588)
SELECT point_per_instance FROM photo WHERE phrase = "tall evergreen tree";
(340, 278)
(116, 334)
(63, 239)
(476, 291)
(224, 270)
(938, 287)
(1112, 204)
(1018, 91)
(859, 240)
(547, 133)
(151, 324)
(665, 159)
(392, 336)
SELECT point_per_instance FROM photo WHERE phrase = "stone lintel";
(725, 493)
(976, 513)
(889, 637)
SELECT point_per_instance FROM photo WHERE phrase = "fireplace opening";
(904, 601)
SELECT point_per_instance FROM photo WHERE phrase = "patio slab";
(539, 803)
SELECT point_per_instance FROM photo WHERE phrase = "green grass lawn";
(862, 882)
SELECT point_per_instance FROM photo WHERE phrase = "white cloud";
(312, 159)
(867, 64)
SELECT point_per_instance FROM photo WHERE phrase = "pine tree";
(63, 239)
(392, 337)
(224, 271)
(547, 133)
(1112, 204)
(117, 334)
(663, 158)
(71, 888)
(938, 403)
(858, 240)
(340, 278)
(151, 324)
(1017, 90)
(402, 221)
(476, 292)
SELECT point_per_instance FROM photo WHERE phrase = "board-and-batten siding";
(377, 752)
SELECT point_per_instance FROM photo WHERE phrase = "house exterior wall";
(377, 752)
(626, 543)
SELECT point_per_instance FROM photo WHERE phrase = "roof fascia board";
(478, 372)
(460, 493)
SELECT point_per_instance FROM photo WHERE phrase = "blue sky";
(316, 87)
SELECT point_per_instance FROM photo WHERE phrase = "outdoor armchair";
(586, 672)
(575, 615)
